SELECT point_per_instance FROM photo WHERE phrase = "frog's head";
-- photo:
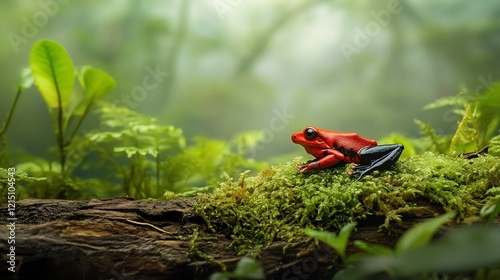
(312, 139)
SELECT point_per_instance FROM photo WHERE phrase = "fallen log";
(123, 238)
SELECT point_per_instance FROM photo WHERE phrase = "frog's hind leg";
(377, 158)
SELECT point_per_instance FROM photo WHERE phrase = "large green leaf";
(53, 72)
(95, 82)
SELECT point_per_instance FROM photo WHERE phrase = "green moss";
(278, 202)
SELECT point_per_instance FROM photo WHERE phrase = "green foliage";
(465, 252)
(282, 202)
(20, 178)
(52, 71)
(247, 268)
(155, 157)
(337, 242)
(54, 76)
(143, 141)
(480, 113)
(156, 161)
(432, 141)
(414, 238)
(46, 181)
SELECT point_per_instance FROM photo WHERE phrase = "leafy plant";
(52, 71)
(142, 140)
(414, 238)
(472, 251)
(480, 120)
(156, 160)
(54, 75)
(461, 251)
(432, 141)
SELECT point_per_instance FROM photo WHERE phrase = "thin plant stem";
(11, 111)
(60, 132)
(77, 127)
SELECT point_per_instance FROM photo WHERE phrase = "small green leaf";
(421, 234)
(337, 242)
(95, 82)
(53, 72)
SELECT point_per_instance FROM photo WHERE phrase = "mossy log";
(123, 238)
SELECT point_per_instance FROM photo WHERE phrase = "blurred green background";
(227, 66)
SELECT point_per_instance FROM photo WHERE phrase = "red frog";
(333, 148)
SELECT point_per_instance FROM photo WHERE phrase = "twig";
(147, 224)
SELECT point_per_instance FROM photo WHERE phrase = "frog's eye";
(310, 133)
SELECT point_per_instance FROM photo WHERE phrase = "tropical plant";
(143, 141)
(152, 158)
(466, 250)
(54, 75)
(480, 120)
(466, 253)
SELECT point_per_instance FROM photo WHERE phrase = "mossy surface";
(278, 202)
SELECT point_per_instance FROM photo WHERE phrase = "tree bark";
(123, 238)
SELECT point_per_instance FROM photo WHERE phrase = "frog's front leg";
(376, 158)
(330, 158)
